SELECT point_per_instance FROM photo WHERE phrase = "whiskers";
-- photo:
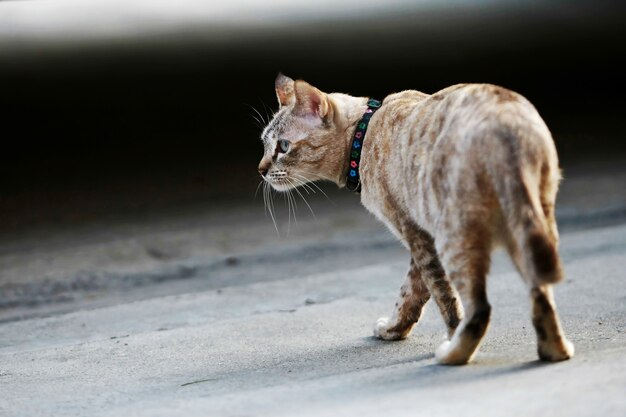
(308, 182)
(268, 202)
(260, 120)
(297, 183)
(293, 184)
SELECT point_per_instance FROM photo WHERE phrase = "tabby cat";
(453, 175)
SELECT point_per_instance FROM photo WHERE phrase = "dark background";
(163, 120)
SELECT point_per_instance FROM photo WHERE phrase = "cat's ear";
(310, 102)
(284, 90)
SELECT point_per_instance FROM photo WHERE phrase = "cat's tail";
(542, 251)
(533, 233)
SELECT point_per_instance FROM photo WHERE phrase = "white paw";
(557, 352)
(381, 330)
(446, 354)
(442, 351)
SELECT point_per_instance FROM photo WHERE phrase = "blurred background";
(129, 136)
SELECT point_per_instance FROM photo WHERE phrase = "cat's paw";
(382, 330)
(446, 354)
(556, 351)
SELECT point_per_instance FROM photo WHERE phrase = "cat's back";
(483, 119)
(460, 138)
(462, 100)
(464, 125)
(469, 116)
(481, 108)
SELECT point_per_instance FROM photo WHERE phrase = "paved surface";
(223, 320)
(302, 345)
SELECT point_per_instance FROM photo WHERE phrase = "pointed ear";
(310, 101)
(284, 90)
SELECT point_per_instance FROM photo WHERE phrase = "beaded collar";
(353, 182)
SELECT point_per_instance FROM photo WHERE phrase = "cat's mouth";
(279, 180)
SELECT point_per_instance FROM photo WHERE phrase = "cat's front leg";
(413, 295)
(426, 260)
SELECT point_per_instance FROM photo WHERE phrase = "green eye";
(283, 145)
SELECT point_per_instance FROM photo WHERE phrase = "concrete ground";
(208, 312)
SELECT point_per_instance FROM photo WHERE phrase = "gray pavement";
(211, 314)
(303, 345)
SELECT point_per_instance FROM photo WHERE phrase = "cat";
(452, 175)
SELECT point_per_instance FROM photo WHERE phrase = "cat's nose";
(264, 166)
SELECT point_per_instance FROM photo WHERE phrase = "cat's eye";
(283, 145)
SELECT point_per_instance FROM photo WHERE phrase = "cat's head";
(304, 140)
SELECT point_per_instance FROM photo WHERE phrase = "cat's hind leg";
(408, 308)
(466, 258)
(551, 342)
(533, 248)
(552, 345)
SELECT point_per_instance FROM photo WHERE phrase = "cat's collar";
(353, 181)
